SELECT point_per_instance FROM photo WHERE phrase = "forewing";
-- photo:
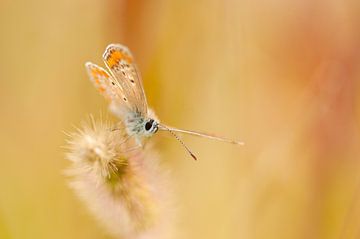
(121, 65)
(106, 85)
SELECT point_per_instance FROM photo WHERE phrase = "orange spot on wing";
(95, 73)
(103, 73)
(116, 56)
(101, 89)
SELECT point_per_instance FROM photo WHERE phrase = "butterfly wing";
(107, 86)
(122, 67)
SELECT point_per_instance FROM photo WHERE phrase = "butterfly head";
(151, 127)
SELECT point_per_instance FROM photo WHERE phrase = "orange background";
(281, 75)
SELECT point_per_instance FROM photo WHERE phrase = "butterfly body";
(123, 88)
(136, 124)
(139, 126)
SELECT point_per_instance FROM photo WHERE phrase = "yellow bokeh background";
(281, 75)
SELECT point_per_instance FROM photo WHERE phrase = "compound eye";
(148, 125)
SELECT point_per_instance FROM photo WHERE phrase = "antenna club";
(194, 157)
(182, 143)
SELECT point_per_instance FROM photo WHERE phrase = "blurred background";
(281, 75)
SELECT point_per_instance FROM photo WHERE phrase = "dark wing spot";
(112, 83)
(132, 81)
(124, 99)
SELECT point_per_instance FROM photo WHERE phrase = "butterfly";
(121, 85)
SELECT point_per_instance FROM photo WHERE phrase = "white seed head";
(123, 186)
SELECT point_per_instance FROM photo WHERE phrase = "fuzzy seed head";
(121, 183)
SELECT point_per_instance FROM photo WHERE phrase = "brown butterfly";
(123, 88)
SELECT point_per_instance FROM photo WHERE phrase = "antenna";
(205, 135)
(163, 127)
